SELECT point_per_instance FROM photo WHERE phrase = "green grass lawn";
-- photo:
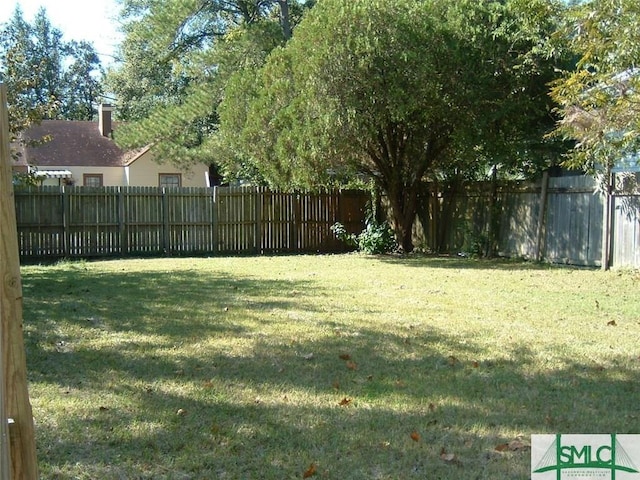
(331, 367)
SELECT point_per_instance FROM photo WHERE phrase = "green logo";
(583, 456)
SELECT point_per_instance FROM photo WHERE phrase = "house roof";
(74, 143)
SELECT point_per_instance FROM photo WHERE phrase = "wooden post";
(607, 215)
(542, 214)
(21, 448)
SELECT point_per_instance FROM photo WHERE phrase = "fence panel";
(574, 222)
(190, 220)
(278, 222)
(41, 222)
(84, 222)
(518, 222)
(237, 219)
(92, 223)
(143, 214)
(626, 231)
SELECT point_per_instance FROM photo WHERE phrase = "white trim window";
(169, 180)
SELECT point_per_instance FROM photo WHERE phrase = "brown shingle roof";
(74, 143)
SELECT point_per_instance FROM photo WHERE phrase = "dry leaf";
(475, 364)
(612, 323)
(345, 356)
(415, 436)
(345, 402)
(352, 365)
(516, 445)
(309, 472)
(448, 457)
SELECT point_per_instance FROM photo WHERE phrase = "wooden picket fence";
(118, 221)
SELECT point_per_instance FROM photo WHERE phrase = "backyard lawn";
(331, 367)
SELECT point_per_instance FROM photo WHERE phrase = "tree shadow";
(180, 405)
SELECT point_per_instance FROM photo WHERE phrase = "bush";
(376, 238)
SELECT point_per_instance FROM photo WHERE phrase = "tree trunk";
(403, 202)
(285, 21)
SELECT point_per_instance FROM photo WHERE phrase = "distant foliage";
(46, 77)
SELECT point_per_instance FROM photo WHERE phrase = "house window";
(92, 179)
(170, 180)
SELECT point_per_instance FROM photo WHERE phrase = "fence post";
(20, 449)
(259, 201)
(122, 231)
(541, 214)
(214, 219)
(66, 217)
(607, 215)
(165, 221)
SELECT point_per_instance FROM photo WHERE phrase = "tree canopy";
(46, 76)
(176, 58)
(600, 98)
(398, 90)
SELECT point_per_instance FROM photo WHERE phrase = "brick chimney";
(104, 119)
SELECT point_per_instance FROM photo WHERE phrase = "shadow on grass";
(174, 403)
(455, 262)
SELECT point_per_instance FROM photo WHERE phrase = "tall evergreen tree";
(175, 60)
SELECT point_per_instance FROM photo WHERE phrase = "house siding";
(144, 172)
(111, 176)
(141, 173)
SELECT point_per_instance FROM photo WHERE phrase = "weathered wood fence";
(562, 221)
(117, 221)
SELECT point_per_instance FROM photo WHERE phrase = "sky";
(91, 20)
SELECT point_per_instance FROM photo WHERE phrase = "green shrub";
(376, 238)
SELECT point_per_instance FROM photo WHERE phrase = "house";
(83, 153)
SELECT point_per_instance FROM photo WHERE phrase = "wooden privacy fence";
(118, 221)
(559, 221)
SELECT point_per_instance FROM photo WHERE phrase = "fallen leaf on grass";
(475, 364)
(181, 412)
(448, 457)
(516, 445)
(345, 402)
(345, 356)
(415, 436)
(309, 472)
